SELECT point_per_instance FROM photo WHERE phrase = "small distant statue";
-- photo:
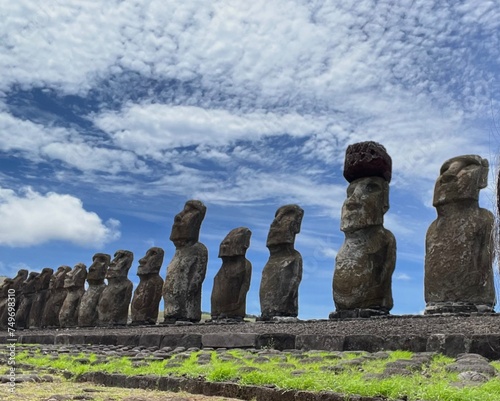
(87, 311)
(114, 301)
(27, 296)
(57, 294)
(459, 247)
(74, 283)
(362, 280)
(4, 300)
(186, 271)
(41, 295)
(14, 285)
(147, 296)
(232, 282)
(282, 274)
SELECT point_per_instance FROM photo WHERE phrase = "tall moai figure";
(232, 281)
(74, 284)
(15, 286)
(458, 245)
(147, 296)
(114, 301)
(362, 280)
(5, 290)
(41, 296)
(186, 271)
(87, 311)
(282, 274)
(57, 294)
(27, 295)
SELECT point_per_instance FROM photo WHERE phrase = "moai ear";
(483, 177)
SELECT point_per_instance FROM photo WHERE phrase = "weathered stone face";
(187, 223)
(366, 203)
(41, 296)
(74, 284)
(50, 317)
(57, 279)
(367, 159)
(459, 248)
(282, 273)
(28, 294)
(151, 262)
(99, 267)
(76, 277)
(21, 277)
(120, 265)
(4, 293)
(285, 226)
(232, 282)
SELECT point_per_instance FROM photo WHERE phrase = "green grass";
(287, 371)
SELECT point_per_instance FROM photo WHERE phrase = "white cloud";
(402, 277)
(30, 218)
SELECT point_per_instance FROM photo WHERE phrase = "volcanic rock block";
(232, 281)
(41, 296)
(74, 283)
(57, 294)
(282, 274)
(367, 159)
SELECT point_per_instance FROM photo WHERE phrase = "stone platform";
(448, 334)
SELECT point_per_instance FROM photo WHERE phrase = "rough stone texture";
(362, 280)
(367, 159)
(74, 283)
(57, 294)
(87, 311)
(282, 274)
(243, 340)
(187, 269)
(232, 281)
(42, 294)
(27, 296)
(459, 248)
(14, 284)
(148, 294)
(115, 299)
(4, 294)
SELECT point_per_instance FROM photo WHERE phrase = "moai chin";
(186, 271)
(74, 283)
(57, 294)
(362, 280)
(115, 299)
(41, 296)
(231, 283)
(459, 247)
(282, 274)
(87, 311)
(147, 296)
(27, 296)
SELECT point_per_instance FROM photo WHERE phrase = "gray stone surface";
(282, 274)
(87, 311)
(42, 294)
(14, 284)
(232, 281)
(74, 283)
(367, 159)
(57, 294)
(459, 248)
(4, 293)
(187, 269)
(216, 340)
(115, 299)
(147, 296)
(27, 296)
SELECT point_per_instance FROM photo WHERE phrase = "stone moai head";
(21, 275)
(285, 226)
(120, 265)
(30, 283)
(43, 280)
(151, 262)
(187, 224)
(461, 178)
(236, 242)
(5, 287)
(76, 277)
(98, 268)
(57, 279)
(368, 168)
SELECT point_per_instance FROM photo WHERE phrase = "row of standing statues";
(458, 262)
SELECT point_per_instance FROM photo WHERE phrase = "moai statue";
(187, 269)
(57, 294)
(282, 274)
(87, 311)
(41, 295)
(74, 284)
(458, 245)
(27, 296)
(362, 280)
(232, 282)
(4, 298)
(147, 295)
(15, 286)
(114, 301)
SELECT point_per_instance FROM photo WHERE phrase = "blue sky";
(114, 113)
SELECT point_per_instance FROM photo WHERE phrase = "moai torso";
(114, 301)
(41, 296)
(187, 269)
(87, 311)
(28, 294)
(282, 274)
(74, 284)
(147, 296)
(57, 294)
(232, 281)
